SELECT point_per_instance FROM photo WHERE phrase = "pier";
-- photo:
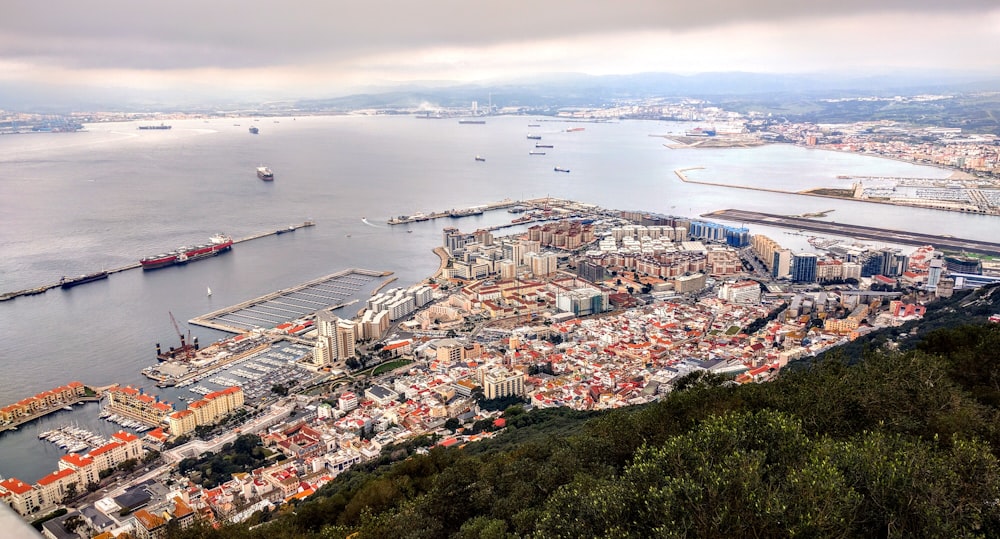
(270, 310)
(858, 231)
(41, 289)
(475, 210)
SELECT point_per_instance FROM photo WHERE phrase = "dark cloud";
(180, 34)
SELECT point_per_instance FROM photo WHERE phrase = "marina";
(257, 373)
(291, 304)
(73, 439)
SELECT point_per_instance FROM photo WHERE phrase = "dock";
(475, 210)
(283, 306)
(135, 265)
(857, 231)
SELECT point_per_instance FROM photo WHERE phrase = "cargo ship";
(70, 283)
(265, 174)
(533, 152)
(543, 146)
(472, 121)
(161, 126)
(217, 244)
(534, 137)
(557, 169)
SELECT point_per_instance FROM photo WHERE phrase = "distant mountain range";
(550, 91)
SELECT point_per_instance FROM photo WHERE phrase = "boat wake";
(373, 225)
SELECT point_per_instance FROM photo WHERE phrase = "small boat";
(209, 290)
(557, 169)
(254, 130)
(479, 158)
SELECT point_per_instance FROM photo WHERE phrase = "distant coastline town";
(583, 307)
(973, 158)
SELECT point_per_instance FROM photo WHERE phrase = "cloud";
(182, 34)
(317, 48)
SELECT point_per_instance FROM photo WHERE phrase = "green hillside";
(897, 436)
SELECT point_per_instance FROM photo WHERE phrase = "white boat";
(209, 291)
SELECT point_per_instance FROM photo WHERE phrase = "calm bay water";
(75, 203)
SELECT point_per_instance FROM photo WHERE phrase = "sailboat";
(209, 291)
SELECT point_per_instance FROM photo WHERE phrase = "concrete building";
(583, 301)
(804, 267)
(134, 402)
(590, 271)
(541, 264)
(501, 382)
(206, 411)
(740, 292)
(686, 284)
(781, 263)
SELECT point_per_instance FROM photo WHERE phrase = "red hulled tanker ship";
(218, 243)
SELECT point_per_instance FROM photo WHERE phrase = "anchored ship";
(480, 158)
(265, 174)
(472, 121)
(161, 126)
(534, 137)
(557, 169)
(70, 283)
(217, 244)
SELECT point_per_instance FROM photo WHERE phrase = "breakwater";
(45, 287)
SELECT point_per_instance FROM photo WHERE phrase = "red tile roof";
(15, 485)
(77, 460)
(55, 476)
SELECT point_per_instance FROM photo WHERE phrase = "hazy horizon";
(255, 51)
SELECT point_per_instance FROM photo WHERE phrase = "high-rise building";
(542, 264)
(335, 339)
(781, 263)
(346, 338)
(590, 271)
(934, 271)
(322, 355)
(804, 267)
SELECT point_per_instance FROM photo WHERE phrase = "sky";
(300, 48)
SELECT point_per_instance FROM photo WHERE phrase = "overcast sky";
(299, 47)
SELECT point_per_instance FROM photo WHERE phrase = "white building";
(740, 292)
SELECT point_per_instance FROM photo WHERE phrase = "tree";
(279, 390)
(452, 424)
(150, 457)
(71, 492)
